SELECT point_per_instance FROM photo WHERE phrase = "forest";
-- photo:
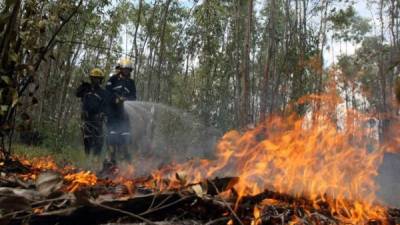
(231, 63)
(319, 76)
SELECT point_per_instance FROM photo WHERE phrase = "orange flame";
(256, 215)
(37, 165)
(40, 163)
(76, 179)
(83, 178)
(327, 156)
(323, 156)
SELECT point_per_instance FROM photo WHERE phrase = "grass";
(68, 155)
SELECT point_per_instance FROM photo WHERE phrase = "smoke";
(162, 134)
(389, 180)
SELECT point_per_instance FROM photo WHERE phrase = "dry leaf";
(198, 190)
(48, 183)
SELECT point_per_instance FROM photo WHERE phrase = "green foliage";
(369, 70)
(343, 18)
(187, 55)
(349, 66)
(27, 32)
(348, 25)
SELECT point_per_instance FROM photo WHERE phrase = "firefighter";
(122, 88)
(94, 105)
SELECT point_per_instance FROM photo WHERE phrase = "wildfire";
(72, 176)
(316, 156)
(82, 178)
(257, 215)
(37, 165)
(41, 163)
(327, 158)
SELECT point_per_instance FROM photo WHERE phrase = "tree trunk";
(44, 92)
(268, 65)
(161, 51)
(135, 70)
(245, 70)
(8, 35)
(237, 58)
(384, 123)
(66, 83)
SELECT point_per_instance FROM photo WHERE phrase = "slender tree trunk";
(109, 64)
(322, 40)
(151, 94)
(237, 58)
(245, 70)
(135, 70)
(66, 83)
(162, 50)
(383, 109)
(268, 65)
(275, 87)
(394, 50)
(44, 92)
(10, 30)
(150, 59)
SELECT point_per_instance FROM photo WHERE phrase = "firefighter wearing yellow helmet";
(124, 63)
(94, 100)
(97, 73)
(121, 88)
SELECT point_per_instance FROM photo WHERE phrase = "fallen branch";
(164, 206)
(228, 206)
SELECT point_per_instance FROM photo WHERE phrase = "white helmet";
(124, 62)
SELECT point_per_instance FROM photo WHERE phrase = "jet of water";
(165, 134)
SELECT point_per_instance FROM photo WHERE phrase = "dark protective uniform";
(94, 107)
(118, 128)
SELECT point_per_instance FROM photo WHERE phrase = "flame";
(326, 156)
(37, 165)
(74, 178)
(256, 215)
(38, 210)
(128, 183)
(82, 178)
(40, 163)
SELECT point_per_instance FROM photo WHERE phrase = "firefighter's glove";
(120, 100)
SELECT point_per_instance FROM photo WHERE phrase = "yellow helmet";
(124, 62)
(96, 72)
